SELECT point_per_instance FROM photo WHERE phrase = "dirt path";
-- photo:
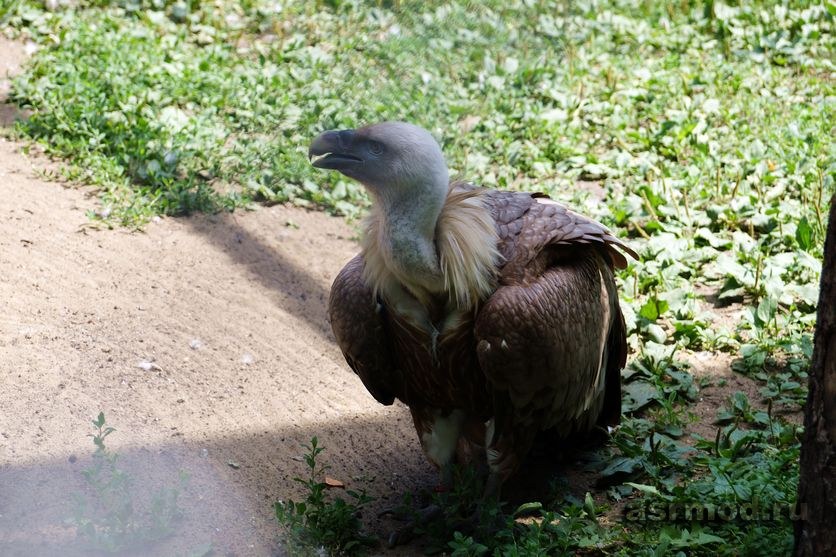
(227, 315)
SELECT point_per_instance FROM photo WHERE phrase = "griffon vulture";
(493, 315)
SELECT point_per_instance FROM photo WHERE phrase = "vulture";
(493, 315)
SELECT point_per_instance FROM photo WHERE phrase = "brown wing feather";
(616, 360)
(526, 226)
(360, 327)
(554, 325)
(540, 343)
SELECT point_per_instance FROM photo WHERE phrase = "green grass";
(708, 126)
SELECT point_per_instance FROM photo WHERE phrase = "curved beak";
(334, 150)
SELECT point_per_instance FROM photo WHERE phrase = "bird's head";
(387, 158)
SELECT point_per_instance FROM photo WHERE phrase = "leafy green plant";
(108, 515)
(320, 523)
(8, 8)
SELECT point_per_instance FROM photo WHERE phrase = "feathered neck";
(463, 247)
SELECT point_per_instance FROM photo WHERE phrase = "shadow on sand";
(301, 293)
(227, 501)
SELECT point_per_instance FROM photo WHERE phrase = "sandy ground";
(204, 341)
(227, 312)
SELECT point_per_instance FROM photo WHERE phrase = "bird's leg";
(439, 434)
(507, 444)
(504, 454)
(440, 440)
(493, 486)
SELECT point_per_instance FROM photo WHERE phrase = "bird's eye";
(375, 147)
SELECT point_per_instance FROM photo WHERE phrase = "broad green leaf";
(644, 488)
(655, 332)
(766, 310)
(804, 234)
(637, 394)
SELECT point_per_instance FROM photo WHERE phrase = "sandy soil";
(204, 341)
(227, 312)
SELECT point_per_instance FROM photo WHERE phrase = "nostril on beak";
(345, 138)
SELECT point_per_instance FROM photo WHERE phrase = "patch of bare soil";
(721, 383)
(715, 369)
(204, 341)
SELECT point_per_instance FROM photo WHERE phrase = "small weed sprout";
(318, 525)
(107, 516)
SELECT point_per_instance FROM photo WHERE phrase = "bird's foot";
(482, 522)
(419, 519)
(485, 521)
(406, 509)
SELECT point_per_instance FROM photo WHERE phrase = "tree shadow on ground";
(278, 263)
(227, 501)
